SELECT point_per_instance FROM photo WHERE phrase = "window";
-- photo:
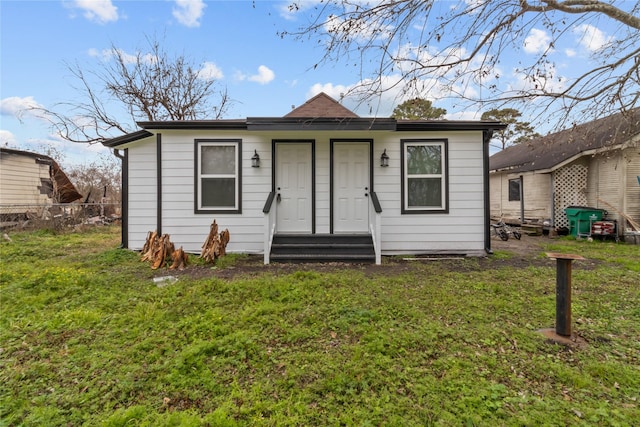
(218, 180)
(514, 190)
(424, 176)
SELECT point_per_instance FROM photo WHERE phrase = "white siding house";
(319, 174)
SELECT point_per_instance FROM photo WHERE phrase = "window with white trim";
(424, 176)
(218, 179)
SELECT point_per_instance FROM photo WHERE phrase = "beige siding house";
(319, 183)
(31, 180)
(596, 165)
(24, 178)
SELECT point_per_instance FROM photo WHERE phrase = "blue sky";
(237, 41)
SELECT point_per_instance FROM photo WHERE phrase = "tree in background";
(457, 49)
(418, 109)
(515, 132)
(97, 180)
(128, 88)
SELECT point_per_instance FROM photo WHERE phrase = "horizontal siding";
(462, 229)
(142, 192)
(537, 196)
(20, 180)
(632, 187)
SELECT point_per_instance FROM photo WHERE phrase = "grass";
(87, 338)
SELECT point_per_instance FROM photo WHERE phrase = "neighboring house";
(29, 181)
(310, 185)
(596, 165)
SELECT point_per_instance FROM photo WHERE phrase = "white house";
(318, 183)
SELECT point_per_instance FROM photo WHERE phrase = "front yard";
(88, 338)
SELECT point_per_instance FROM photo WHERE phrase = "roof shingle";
(549, 151)
(321, 105)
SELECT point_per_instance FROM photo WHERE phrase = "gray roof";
(550, 151)
(317, 114)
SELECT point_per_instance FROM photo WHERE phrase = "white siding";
(142, 192)
(179, 220)
(460, 230)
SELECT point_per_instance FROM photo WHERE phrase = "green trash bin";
(580, 219)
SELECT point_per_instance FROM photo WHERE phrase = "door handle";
(278, 198)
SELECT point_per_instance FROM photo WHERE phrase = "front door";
(351, 187)
(293, 183)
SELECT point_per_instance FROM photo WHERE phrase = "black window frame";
(198, 144)
(444, 208)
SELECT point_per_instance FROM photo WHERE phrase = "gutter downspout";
(487, 135)
(521, 200)
(124, 196)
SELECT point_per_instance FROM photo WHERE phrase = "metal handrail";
(269, 225)
(269, 202)
(375, 225)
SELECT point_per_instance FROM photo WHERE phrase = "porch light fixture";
(255, 160)
(384, 159)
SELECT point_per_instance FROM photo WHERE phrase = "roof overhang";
(320, 123)
(127, 138)
(305, 124)
(239, 124)
(448, 125)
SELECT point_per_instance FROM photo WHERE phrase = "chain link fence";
(57, 216)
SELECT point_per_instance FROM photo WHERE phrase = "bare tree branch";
(125, 88)
(456, 50)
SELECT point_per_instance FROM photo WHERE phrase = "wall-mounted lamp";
(255, 160)
(384, 159)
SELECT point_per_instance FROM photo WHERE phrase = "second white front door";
(351, 187)
(294, 193)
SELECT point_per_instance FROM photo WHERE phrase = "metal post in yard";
(563, 291)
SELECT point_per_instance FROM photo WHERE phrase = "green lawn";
(87, 338)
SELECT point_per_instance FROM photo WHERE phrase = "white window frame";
(443, 176)
(199, 176)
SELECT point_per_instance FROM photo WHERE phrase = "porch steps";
(355, 248)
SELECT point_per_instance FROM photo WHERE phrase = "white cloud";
(288, 10)
(570, 52)
(264, 76)
(537, 41)
(546, 80)
(19, 107)
(7, 138)
(100, 11)
(210, 71)
(127, 58)
(591, 38)
(334, 91)
(189, 12)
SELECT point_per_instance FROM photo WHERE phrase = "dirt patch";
(519, 254)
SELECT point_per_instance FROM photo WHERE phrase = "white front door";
(350, 187)
(294, 193)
